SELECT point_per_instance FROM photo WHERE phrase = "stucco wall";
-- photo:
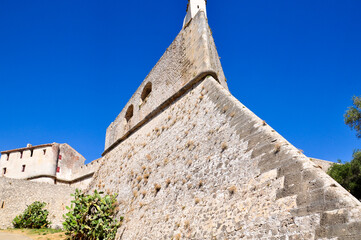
(69, 163)
(208, 168)
(16, 195)
(41, 163)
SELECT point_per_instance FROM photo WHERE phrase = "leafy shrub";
(353, 116)
(91, 217)
(349, 174)
(33, 217)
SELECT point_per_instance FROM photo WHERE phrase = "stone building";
(47, 173)
(52, 163)
(189, 161)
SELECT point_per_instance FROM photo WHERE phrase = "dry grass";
(167, 182)
(232, 190)
(200, 184)
(225, 108)
(190, 144)
(189, 163)
(277, 148)
(224, 146)
(186, 224)
(135, 193)
(157, 187)
(39, 234)
(177, 236)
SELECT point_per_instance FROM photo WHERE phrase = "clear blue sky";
(67, 67)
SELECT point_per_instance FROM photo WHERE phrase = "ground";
(38, 234)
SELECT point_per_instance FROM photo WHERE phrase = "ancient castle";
(189, 161)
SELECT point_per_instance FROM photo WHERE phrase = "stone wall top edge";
(291, 151)
(157, 110)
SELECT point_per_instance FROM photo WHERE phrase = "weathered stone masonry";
(189, 161)
(207, 167)
(197, 164)
(16, 195)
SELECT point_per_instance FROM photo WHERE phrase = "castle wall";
(191, 55)
(16, 195)
(322, 164)
(82, 176)
(69, 161)
(29, 163)
(208, 168)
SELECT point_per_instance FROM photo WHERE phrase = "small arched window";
(129, 113)
(146, 91)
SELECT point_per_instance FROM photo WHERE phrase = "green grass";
(44, 231)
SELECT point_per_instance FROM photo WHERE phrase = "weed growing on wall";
(34, 216)
(91, 217)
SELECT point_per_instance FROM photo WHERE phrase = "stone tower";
(194, 6)
(189, 161)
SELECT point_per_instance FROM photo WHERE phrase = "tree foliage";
(34, 216)
(353, 116)
(349, 174)
(91, 217)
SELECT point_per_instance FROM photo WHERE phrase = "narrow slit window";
(31, 152)
(23, 168)
(146, 91)
(2, 205)
(4, 171)
(21, 154)
(7, 157)
(129, 113)
(44, 151)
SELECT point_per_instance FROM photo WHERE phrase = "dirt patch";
(39, 234)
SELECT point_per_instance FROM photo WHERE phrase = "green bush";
(91, 217)
(33, 217)
(349, 174)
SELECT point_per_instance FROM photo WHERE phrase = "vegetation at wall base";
(34, 216)
(92, 217)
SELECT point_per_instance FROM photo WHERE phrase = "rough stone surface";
(191, 55)
(322, 164)
(16, 195)
(208, 168)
